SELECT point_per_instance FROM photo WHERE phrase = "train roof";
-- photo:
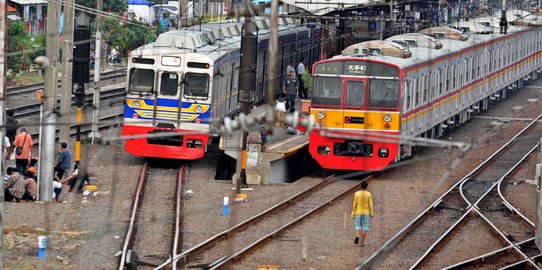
(214, 39)
(406, 56)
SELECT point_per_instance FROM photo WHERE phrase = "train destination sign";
(356, 68)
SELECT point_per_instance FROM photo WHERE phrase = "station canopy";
(321, 8)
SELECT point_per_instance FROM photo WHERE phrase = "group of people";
(20, 182)
(293, 86)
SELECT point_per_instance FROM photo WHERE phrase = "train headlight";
(324, 150)
(387, 117)
(199, 109)
(320, 115)
(136, 104)
(383, 152)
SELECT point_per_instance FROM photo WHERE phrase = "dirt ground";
(86, 232)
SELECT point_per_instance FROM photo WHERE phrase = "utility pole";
(67, 84)
(249, 43)
(503, 23)
(46, 161)
(3, 73)
(271, 71)
(95, 132)
(181, 19)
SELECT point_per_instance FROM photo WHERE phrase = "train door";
(168, 102)
(355, 94)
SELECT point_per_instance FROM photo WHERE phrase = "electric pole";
(46, 161)
(503, 23)
(181, 19)
(95, 132)
(3, 72)
(67, 84)
(249, 43)
(271, 71)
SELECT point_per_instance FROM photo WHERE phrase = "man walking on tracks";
(362, 212)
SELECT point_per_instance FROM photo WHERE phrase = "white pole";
(95, 133)
(46, 186)
(39, 146)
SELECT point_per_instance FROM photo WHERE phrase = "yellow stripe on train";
(141, 105)
(357, 119)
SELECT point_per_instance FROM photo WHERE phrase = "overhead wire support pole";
(249, 43)
(271, 71)
(503, 24)
(3, 73)
(95, 131)
(46, 161)
(67, 83)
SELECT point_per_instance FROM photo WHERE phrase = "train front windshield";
(141, 80)
(380, 93)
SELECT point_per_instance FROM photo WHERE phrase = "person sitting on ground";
(31, 186)
(57, 189)
(31, 173)
(64, 160)
(75, 181)
(14, 187)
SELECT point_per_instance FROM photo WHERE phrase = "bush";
(127, 37)
(307, 81)
(19, 47)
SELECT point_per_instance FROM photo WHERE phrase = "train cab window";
(326, 90)
(196, 85)
(383, 93)
(355, 92)
(141, 80)
(168, 83)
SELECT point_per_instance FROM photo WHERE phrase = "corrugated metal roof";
(29, 2)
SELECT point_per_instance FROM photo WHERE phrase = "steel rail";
(289, 224)
(33, 109)
(29, 88)
(485, 256)
(128, 240)
(475, 207)
(508, 204)
(248, 221)
(375, 256)
(514, 246)
(177, 239)
(520, 262)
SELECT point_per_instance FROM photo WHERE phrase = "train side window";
(408, 95)
(454, 78)
(355, 94)
(196, 85)
(169, 83)
(417, 87)
(448, 76)
(440, 79)
(141, 80)
(425, 87)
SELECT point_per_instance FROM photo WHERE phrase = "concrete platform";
(283, 158)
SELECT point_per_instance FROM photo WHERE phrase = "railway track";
(31, 88)
(224, 248)
(34, 109)
(154, 236)
(477, 198)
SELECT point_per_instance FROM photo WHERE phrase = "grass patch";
(31, 77)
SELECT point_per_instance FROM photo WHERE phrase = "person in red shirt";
(23, 140)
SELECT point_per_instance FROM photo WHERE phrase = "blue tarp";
(139, 2)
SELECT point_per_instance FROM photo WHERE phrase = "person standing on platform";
(23, 141)
(362, 212)
(290, 88)
(300, 70)
(290, 67)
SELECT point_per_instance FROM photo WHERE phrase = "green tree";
(19, 47)
(127, 37)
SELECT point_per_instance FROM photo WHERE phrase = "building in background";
(33, 13)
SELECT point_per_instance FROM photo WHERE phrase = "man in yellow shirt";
(362, 212)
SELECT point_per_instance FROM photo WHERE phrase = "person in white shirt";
(290, 67)
(300, 70)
